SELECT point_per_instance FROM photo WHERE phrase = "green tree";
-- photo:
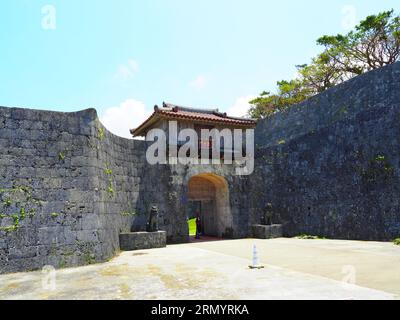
(374, 43)
(289, 93)
(322, 74)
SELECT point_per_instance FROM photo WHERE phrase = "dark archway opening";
(209, 210)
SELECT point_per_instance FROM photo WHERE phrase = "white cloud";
(240, 107)
(199, 83)
(127, 71)
(128, 115)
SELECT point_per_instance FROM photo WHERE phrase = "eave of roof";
(173, 112)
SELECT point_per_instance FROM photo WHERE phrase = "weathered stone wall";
(68, 187)
(330, 167)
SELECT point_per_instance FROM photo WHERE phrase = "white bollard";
(256, 260)
(255, 257)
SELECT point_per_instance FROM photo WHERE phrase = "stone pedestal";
(266, 232)
(142, 240)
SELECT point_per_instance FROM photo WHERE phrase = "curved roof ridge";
(188, 109)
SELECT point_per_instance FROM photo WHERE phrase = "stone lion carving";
(266, 217)
(152, 224)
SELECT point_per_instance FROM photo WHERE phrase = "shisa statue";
(152, 224)
(266, 217)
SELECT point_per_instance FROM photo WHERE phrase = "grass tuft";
(309, 237)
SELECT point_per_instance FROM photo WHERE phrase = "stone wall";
(68, 188)
(330, 166)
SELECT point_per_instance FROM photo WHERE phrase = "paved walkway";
(294, 269)
(376, 264)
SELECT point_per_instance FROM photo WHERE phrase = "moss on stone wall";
(16, 204)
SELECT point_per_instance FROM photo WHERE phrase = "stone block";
(142, 240)
(267, 232)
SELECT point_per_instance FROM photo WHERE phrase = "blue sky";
(124, 56)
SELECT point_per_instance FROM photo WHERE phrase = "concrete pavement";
(376, 264)
(294, 269)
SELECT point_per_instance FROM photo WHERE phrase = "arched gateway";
(208, 196)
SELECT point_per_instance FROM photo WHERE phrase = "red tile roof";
(173, 112)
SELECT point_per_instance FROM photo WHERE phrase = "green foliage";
(9, 228)
(14, 226)
(128, 214)
(131, 213)
(100, 133)
(7, 203)
(87, 251)
(21, 189)
(54, 214)
(289, 93)
(16, 219)
(61, 156)
(62, 264)
(320, 75)
(22, 213)
(17, 199)
(108, 171)
(374, 43)
(32, 212)
(93, 146)
(309, 237)
(110, 189)
(378, 168)
(89, 258)
(397, 241)
(380, 159)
